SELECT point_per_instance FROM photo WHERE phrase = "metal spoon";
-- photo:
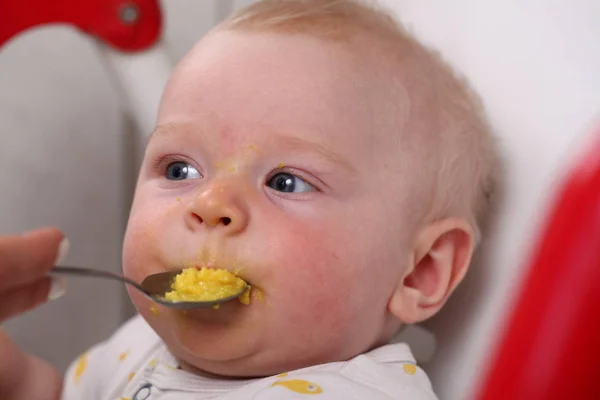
(153, 286)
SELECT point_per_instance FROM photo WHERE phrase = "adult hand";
(24, 284)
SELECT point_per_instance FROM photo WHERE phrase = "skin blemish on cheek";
(178, 199)
(231, 169)
(227, 136)
(218, 166)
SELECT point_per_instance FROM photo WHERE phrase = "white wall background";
(65, 138)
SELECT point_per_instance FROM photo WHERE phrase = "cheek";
(135, 256)
(313, 284)
(144, 235)
(333, 281)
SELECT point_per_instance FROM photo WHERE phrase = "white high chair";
(536, 65)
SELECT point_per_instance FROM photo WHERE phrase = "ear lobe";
(439, 261)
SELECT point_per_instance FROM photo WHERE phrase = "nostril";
(198, 218)
(225, 221)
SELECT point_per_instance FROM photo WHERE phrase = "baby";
(341, 169)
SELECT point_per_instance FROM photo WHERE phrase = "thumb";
(12, 365)
(25, 377)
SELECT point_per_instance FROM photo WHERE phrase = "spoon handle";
(59, 270)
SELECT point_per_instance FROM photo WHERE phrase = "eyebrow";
(280, 140)
(166, 129)
(314, 147)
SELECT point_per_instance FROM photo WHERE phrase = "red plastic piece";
(551, 347)
(105, 19)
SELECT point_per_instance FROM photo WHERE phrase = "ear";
(438, 262)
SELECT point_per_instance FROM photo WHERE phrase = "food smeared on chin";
(206, 284)
(245, 297)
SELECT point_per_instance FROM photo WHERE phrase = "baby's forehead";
(260, 84)
(289, 66)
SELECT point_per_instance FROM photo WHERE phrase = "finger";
(42, 381)
(12, 364)
(28, 257)
(21, 299)
(25, 377)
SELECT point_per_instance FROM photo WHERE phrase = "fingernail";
(63, 251)
(58, 288)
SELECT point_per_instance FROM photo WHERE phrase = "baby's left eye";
(179, 171)
(288, 183)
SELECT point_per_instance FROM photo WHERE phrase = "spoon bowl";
(153, 286)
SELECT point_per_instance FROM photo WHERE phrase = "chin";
(237, 340)
(219, 345)
(206, 336)
(234, 356)
(259, 364)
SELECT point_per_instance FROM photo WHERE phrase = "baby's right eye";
(179, 171)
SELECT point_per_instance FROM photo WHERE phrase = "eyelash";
(316, 183)
(160, 164)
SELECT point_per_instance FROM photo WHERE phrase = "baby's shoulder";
(391, 370)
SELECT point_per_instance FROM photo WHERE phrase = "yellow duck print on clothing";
(123, 356)
(299, 386)
(80, 367)
(409, 369)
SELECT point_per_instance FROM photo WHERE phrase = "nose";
(218, 207)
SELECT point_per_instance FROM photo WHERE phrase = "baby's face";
(271, 159)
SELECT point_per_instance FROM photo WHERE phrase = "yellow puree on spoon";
(207, 284)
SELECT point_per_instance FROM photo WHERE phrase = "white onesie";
(135, 365)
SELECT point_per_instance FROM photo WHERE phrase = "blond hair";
(445, 127)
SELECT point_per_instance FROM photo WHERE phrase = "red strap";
(126, 25)
(551, 346)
